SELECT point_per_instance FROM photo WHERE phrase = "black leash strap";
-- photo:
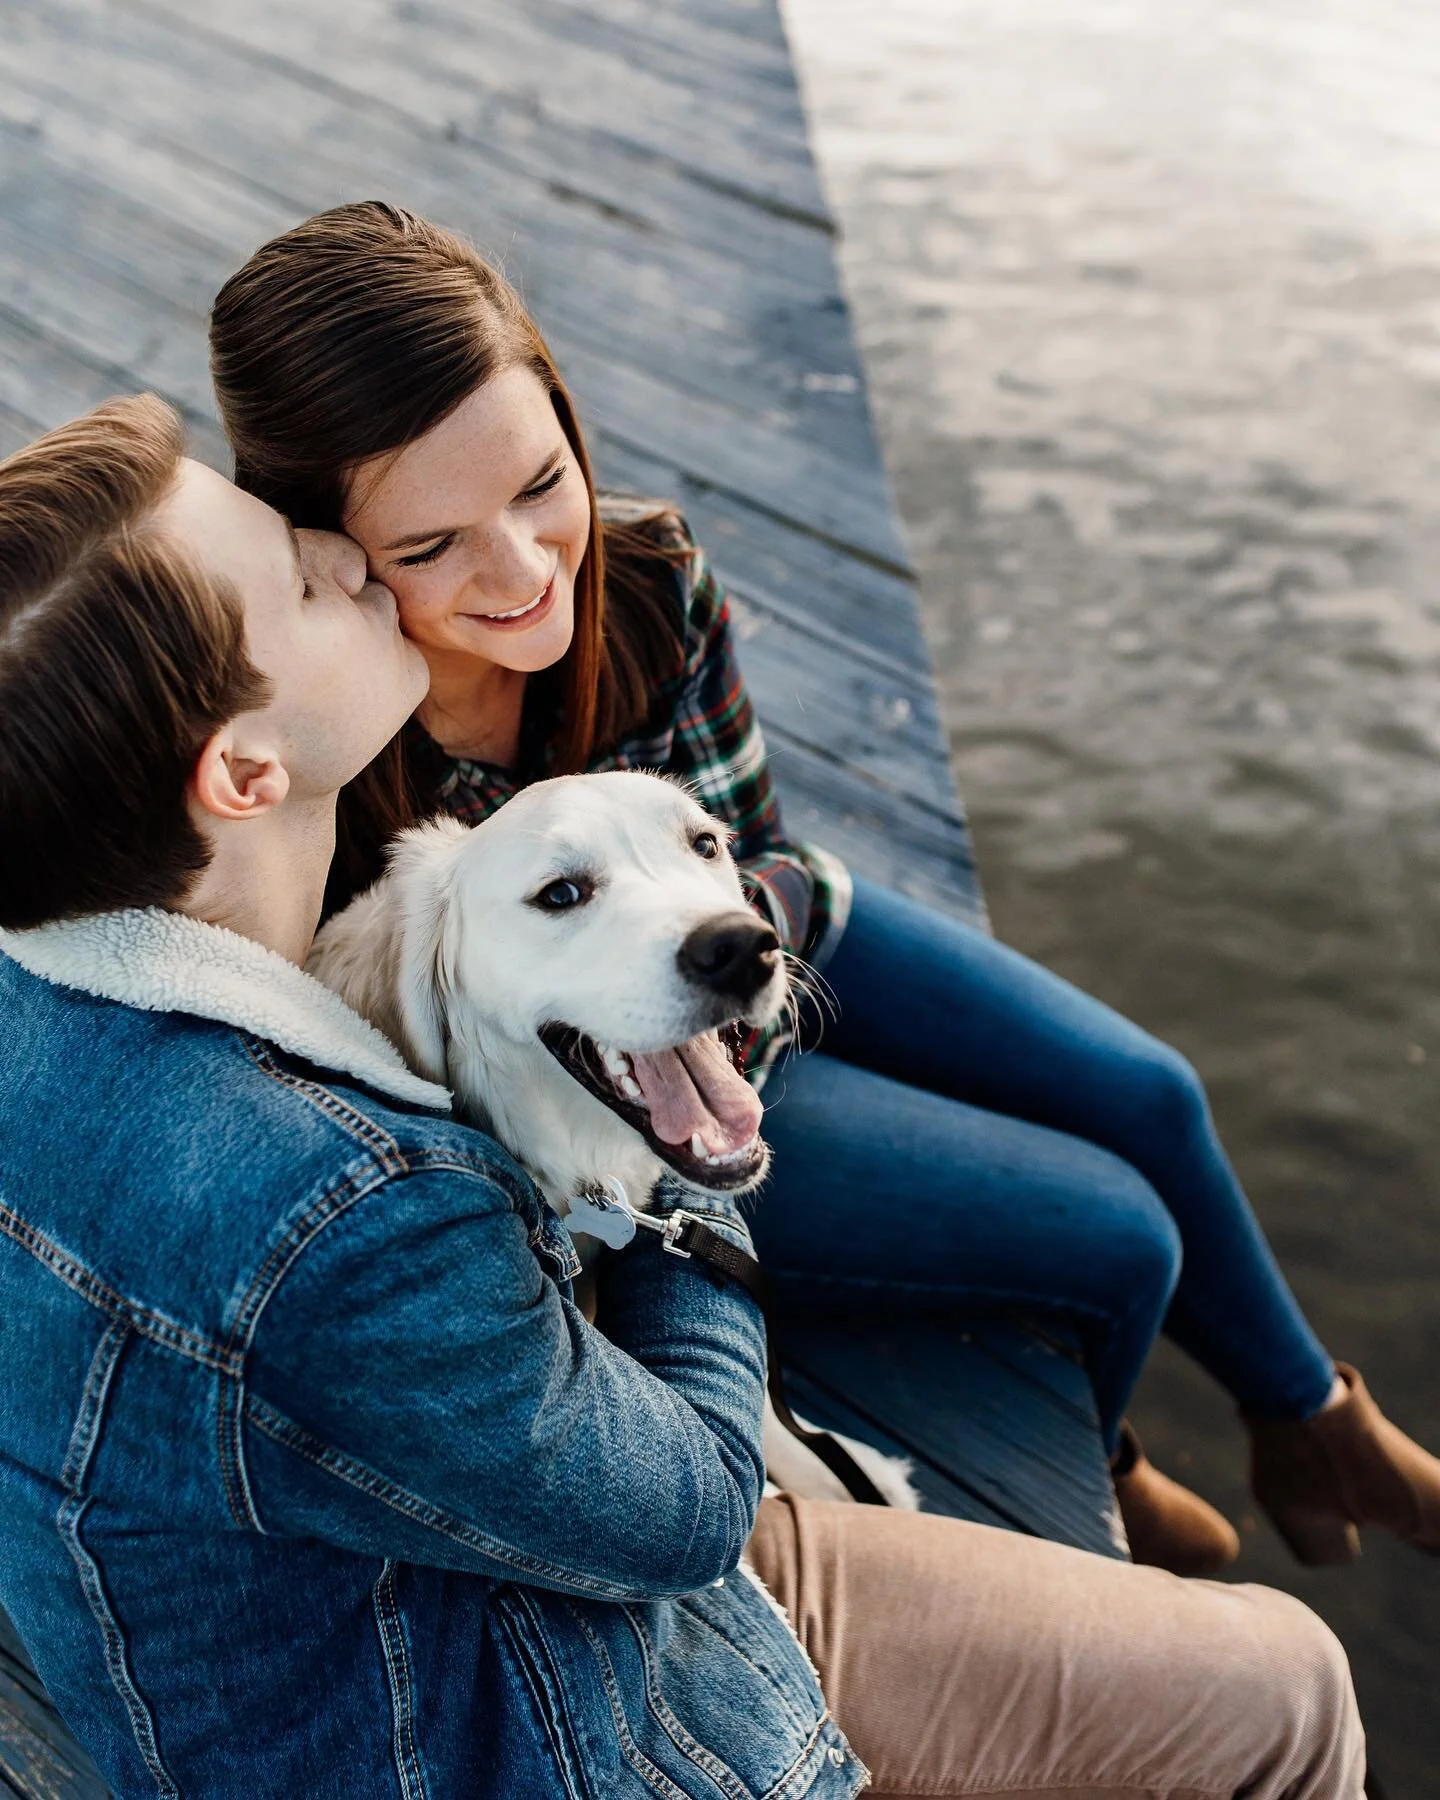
(682, 1234)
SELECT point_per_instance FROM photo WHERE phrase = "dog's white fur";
(450, 957)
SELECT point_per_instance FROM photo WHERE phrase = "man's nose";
(331, 554)
(732, 954)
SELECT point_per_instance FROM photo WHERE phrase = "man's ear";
(227, 785)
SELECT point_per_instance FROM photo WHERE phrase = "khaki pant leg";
(963, 1660)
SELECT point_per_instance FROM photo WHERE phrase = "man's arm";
(420, 1388)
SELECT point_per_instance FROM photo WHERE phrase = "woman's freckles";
(495, 578)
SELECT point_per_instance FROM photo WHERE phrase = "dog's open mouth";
(690, 1103)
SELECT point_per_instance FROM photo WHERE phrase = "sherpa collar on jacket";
(167, 962)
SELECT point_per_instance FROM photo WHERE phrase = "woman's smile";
(480, 526)
(520, 617)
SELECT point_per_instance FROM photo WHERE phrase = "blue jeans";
(976, 1130)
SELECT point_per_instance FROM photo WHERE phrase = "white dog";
(578, 970)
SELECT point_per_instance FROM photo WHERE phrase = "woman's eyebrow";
(420, 537)
(412, 538)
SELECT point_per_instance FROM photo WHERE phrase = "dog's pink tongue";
(696, 1091)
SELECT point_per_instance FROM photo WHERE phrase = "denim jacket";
(313, 1479)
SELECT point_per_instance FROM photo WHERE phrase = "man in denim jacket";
(313, 1479)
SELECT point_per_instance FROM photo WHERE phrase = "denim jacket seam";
(393, 1160)
(641, 1764)
(719, 1771)
(764, 1674)
(375, 1139)
(85, 1434)
(230, 1454)
(334, 1203)
(799, 1769)
(402, 1687)
(146, 1320)
(357, 1184)
(389, 1162)
(529, 1646)
(360, 1476)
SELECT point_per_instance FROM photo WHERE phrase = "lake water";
(1150, 302)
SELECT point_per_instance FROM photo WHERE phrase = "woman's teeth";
(519, 612)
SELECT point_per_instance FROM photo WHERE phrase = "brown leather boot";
(1168, 1526)
(1321, 1478)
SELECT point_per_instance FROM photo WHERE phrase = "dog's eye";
(557, 896)
(706, 844)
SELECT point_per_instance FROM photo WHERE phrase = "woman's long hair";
(350, 337)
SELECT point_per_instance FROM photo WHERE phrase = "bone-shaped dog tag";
(597, 1215)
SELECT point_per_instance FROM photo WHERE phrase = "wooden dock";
(641, 169)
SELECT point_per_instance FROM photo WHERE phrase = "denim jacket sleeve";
(420, 1388)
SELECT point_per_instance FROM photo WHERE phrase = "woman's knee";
(1143, 1252)
(1168, 1094)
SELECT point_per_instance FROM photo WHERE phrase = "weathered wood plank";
(1003, 1417)
(43, 378)
(820, 1404)
(745, 43)
(892, 838)
(483, 71)
(785, 569)
(816, 691)
(16, 430)
(40, 379)
(734, 413)
(159, 73)
(684, 326)
(39, 1759)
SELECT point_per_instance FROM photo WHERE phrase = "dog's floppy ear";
(422, 870)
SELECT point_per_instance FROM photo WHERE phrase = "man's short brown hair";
(119, 657)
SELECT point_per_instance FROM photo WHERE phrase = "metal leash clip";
(604, 1212)
(669, 1228)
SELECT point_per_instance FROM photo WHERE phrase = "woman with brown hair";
(974, 1128)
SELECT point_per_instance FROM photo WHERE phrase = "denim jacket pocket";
(645, 1690)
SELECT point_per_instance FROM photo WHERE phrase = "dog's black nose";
(732, 954)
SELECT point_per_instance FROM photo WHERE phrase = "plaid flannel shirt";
(701, 728)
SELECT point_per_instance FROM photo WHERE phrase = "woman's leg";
(936, 1005)
(961, 1660)
(886, 1195)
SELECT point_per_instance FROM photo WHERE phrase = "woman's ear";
(227, 785)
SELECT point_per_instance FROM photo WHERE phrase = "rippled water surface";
(1150, 301)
